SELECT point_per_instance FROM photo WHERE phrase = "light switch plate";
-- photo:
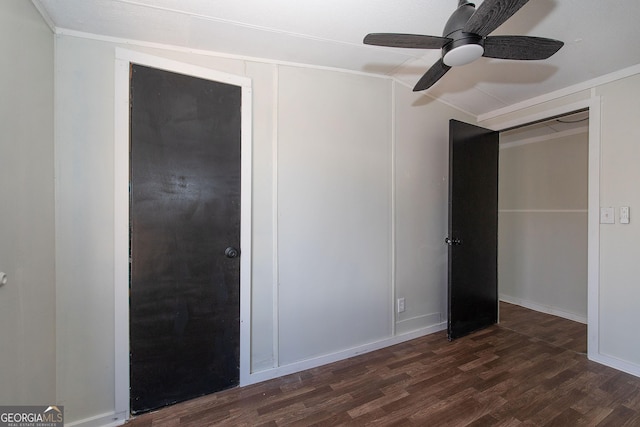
(607, 216)
(624, 215)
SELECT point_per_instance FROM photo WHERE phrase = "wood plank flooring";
(530, 370)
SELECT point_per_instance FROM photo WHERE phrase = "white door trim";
(123, 59)
(593, 221)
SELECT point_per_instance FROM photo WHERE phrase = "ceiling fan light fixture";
(462, 55)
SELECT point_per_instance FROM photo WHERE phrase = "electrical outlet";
(401, 305)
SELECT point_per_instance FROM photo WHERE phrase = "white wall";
(27, 302)
(323, 262)
(542, 227)
(619, 248)
(421, 193)
(334, 208)
(84, 231)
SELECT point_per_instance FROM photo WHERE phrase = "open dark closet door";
(473, 228)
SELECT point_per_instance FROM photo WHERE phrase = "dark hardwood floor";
(530, 370)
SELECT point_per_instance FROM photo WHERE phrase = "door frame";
(592, 104)
(123, 59)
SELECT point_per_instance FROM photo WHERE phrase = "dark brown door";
(473, 228)
(184, 215)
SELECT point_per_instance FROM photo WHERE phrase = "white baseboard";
(417, 323)
(615, 363)
(610, 361)
(302, 365)
(110, 419)
(544, 308)
(113, 419)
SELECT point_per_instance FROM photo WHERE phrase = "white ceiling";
(601, 37)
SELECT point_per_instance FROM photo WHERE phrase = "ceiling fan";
(466, 38)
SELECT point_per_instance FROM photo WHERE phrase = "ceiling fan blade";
(520, 47)
(491, 14)
(416, 41)
(432, 75)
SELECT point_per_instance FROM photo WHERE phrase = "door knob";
(231, 252)
(451, 242)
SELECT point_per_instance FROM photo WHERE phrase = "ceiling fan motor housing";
(464, 47)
